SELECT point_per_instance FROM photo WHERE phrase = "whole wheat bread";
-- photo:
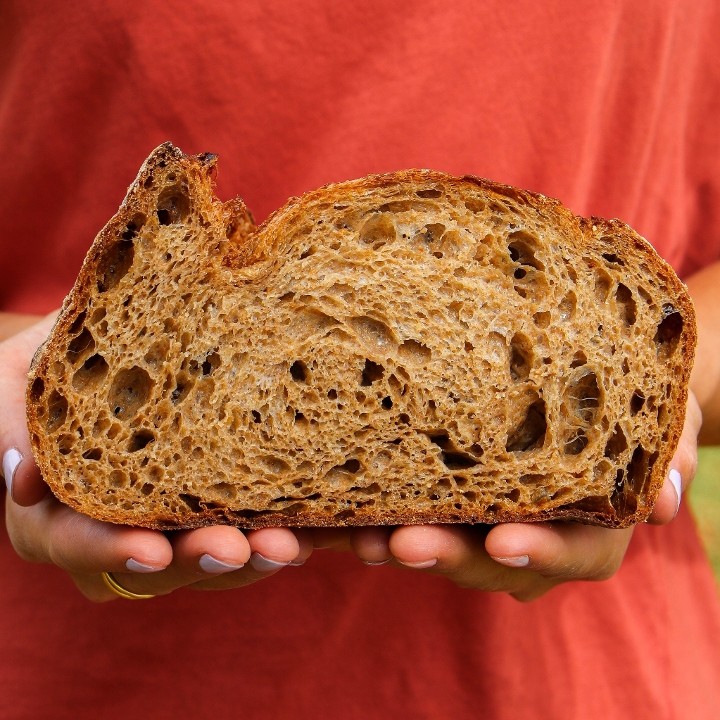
(403, 348)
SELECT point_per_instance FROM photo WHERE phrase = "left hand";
(524, 560)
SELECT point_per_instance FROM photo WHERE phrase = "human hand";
(143, 561)
(524, 560)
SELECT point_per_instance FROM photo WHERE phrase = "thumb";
(682, 467)
(22, 477)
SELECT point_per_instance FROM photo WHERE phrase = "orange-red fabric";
(610, 107)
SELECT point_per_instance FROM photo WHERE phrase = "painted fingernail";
(134, 566)
(676, 480)
(516, 561)
(11, 459)
(422, 565)
(212, 565)
(263, 564)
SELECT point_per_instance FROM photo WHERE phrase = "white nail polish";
(212, 565)
(422, 565)
(11, 459)
(263, 564)
(517, 561)
(134, 566)
(676, 480)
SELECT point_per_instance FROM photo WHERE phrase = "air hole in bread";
(639, 468)
(617, 444)
(612, 258)
(57, 406)
(413, 351)
(299, 371)
(140, 440)
(452, 457)
(173, 206)
(432, 232)
(372, 333)
(114, 265)
(273, 464)
(183, 385)
(475, 205)
(129, 391)
(211, 363)
(133, 227)
(92, 454)
(513, 495)
(372, 372)
(568, 306)
(521, 357)
(669, 331)
(352, 466)
(37, 389)
(542, 319)
(429, 193)
(637, 401)
(583, 396)
(576, 442)
(522, 248)
(65, 444)
(378, 230)
(530, 433)
(101, 425)
(90, 374)
(192, 501)
(626, 304)
(579, 359)
(603, 282)
(157, 353)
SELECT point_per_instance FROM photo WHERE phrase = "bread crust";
(172, 188)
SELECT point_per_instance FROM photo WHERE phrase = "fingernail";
(263, 564)
(11, 459)
(375, 563)
(516, 561)
(134, 566)
(422, 565)
(676, 480)
(212, 565)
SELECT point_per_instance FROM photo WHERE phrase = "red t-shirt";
(611, 108)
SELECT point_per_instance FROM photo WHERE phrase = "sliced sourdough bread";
(403, 348)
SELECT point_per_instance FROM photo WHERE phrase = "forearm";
(13, 323)
(704, 288)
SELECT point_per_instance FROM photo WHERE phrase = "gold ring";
(120, 591)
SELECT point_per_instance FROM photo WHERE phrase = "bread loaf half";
(404, 348)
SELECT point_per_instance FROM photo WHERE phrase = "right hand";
(43, 530)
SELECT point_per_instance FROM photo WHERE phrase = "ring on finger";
(112, 584)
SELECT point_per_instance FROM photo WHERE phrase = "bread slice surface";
(403, 348)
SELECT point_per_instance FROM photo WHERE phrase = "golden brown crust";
(145, 356)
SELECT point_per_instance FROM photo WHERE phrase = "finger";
(337, 538)
(458, 553)
(682, 467)
(270, 550)
(49, 532)
(21, 475)
(372, 544)
(559, 551)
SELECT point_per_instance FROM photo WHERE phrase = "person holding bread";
(609, 109)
